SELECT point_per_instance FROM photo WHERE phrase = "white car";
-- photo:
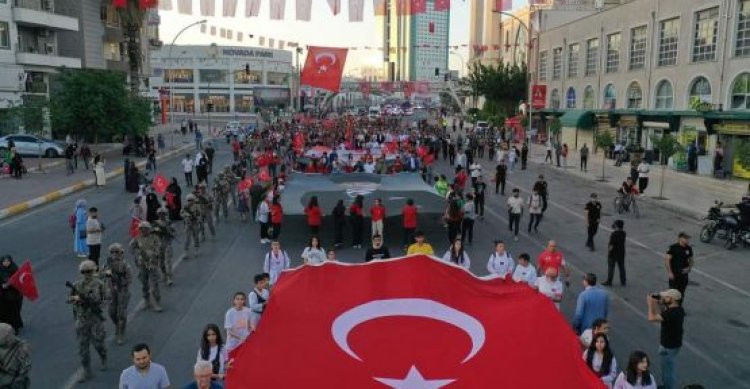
(32, 145)
(481, 127)
(232, 128)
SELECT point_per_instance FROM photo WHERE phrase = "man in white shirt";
(515, 208)
(461, 158)
(143, 373)
(475, 170)
(643, 169)
(525, 271)
(550, 286)
(94, 235)
(187, 168)
(500, 262)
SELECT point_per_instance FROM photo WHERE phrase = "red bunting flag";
(324, 67)
(23, 280)
(379, 7)
(503, 5)
(442, 5)
(119, 3)
(277, 9)
(304, 10)
(245, 184)
(160, 183)
(252, 8)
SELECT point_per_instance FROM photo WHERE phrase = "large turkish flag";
(323, 67)
(409, 323)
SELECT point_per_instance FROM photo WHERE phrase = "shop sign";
(734, 129)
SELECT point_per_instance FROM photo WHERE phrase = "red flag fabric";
(431, 27)
(146, 4)
(304, 10)
(414, 322)
(263, 175)
(417, 6)
(408, 89)
(23, 280)
(119, 3)
(378, 7)
(245, 184)
(335, 6)
(442, 5)
(324, 67)
(160, 183)
(503, 5)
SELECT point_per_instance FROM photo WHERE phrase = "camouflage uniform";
(163, 229)
(87, 311)
(119, 276)
(146, 247)
(191, 213)
(15, 360)
(221, 195)
(232, 179)
(206, 202)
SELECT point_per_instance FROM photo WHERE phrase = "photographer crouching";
(665, 308)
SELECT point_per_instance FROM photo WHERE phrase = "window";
(4, 36)
(573, 59)
(742, 45)
(706, 31)
(178, 75)
(700, 91)
(570, 98)
(212, 75)
(543, 66)
(588, 98)
(635, 95)
(610, 97)
(664, 95)
(613, 52)
(741, 92)
(554, 99)
(556, 63)
(638, 48)
(669, 37)
(592, 56)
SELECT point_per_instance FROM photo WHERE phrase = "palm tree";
(131, 17)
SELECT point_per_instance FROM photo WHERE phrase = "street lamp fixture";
(169, 61)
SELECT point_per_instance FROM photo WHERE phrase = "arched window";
(610, 97)
(570, 98)
(554, 99)
(588, 98)
(519, 54)
(664, 95)
(700, 91)
(741, 92)
(635, 95)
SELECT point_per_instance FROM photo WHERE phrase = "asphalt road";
(717, 332)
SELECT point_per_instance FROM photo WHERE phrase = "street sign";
(538, 96)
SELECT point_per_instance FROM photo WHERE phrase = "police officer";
(206, 202)
(87, 296)
(221, 195)
(146, 247)
(163, 229)
(119, 276)
(191, 214)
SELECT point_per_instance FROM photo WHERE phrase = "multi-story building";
(647, 68)
(231, 79)
(415, 46)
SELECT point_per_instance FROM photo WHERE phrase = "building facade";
(227, 79)
(647, 68)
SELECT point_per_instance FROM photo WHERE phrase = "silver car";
(29, 145)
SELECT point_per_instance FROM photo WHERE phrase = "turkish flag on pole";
(414, 322)
(160, 183)
(23, 280)
(503, 5)
(324, 67)
(442, 5)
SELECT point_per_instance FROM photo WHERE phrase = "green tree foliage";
(742, 153)
(502, 85)
(132, 16)
(602, 140)
(95, 105)
(667, 146)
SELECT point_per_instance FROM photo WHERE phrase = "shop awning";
(577, 118)
(729, 115)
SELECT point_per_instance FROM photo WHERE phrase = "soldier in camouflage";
(163, 229)
(119, 276)
(221, 195)
(87, 296)
(15, 360)
(146, 247)
(206, 202)
(232, 179)
(191, 214)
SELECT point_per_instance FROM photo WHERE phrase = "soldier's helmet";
(190, 197)
(116, 248)
(144, 225)
(220, 175)
(162, 211)
(87, 266)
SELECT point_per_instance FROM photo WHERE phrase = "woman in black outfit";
(453, 217)
(173, 199)
(339, 220)
(11, 299)
(357, 220)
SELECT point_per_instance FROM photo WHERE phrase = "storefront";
(732, 134)
(577, 128)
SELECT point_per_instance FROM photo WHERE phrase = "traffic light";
(247, 69)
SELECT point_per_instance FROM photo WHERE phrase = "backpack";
(72, 221)
(15, 366)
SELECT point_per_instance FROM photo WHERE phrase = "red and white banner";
(414, 322)
(252, 8)
(356, 10)
(208, 7)
(303, 10)
(230, 8)
(442, 5)
(335, 6)
(379, 7)
(324, 67)
(538, 96)
(277, 9)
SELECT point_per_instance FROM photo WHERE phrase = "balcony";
(42, 13)
(44, 54)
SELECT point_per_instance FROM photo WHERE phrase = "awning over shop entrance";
(577, 118)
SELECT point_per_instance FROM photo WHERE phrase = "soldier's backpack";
(15, 365)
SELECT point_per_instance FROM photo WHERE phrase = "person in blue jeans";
(665, 308)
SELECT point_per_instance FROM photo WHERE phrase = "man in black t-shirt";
(679, 262)
(540, 186)
(671, 316)
(593, 211)
(377, 251)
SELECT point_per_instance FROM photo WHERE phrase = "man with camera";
(665, 308)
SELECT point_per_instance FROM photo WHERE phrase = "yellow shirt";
(423, 248)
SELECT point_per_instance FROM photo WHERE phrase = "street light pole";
(169, 61)
(463, 63)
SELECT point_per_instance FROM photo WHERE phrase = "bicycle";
(626, 203)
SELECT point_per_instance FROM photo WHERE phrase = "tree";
(604, 140)
(131, 16)
(502, 85)
(742, 153)
(668, 146)
(554, 127)
(95, 105)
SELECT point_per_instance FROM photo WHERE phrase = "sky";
(325, 29)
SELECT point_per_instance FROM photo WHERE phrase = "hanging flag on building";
(252, 8)
(356, 10)
(165, 5)
(417, 6)
(185, 7)
(324, 67)
(277, 9)
(335, 6)
(230, 8)
(503, 5)
(208, 7)
(378, 7)
(538, 96)
(303, 10)
(442, 5)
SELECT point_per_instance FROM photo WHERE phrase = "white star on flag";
(414, 380)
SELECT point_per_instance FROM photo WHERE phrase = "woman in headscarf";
(79, 237)
(11, 299)
(131, 178)
(152, 205)
(173, 199)
(98, 163)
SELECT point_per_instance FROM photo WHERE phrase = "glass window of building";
(216, 76)
(277, 78)
(706, 31)
(4, 36)
(664, 95)
(178, 75)
(638, 38)
(742, 44)
(243, 103)
(613, 52)
(543, 66)
(588, 97)
(573, 51)
(669, 39)
(570, 98)
(700, 91)
(741, 92)
(554, 99)
(610, 97)
(183, 102)
(592, 56)
(218, 102)
(251, 77)
(556, 63)
(635, 95)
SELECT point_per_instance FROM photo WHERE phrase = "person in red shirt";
(460, 179)
(409, 212)
(277, 214)
(356, 219)
(236, 149)
(377, 212)
(314, 216)
(551, 257)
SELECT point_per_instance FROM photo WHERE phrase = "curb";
(19, 208)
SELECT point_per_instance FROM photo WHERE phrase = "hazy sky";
(324, 29)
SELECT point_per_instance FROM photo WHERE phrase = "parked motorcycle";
(724, 225)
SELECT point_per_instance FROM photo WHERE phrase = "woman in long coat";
(101, 178)
(173, 199)
(11, 299)
(79, 232)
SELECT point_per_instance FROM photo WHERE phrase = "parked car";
(29, 145)
(232, 128)
(481, 127)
